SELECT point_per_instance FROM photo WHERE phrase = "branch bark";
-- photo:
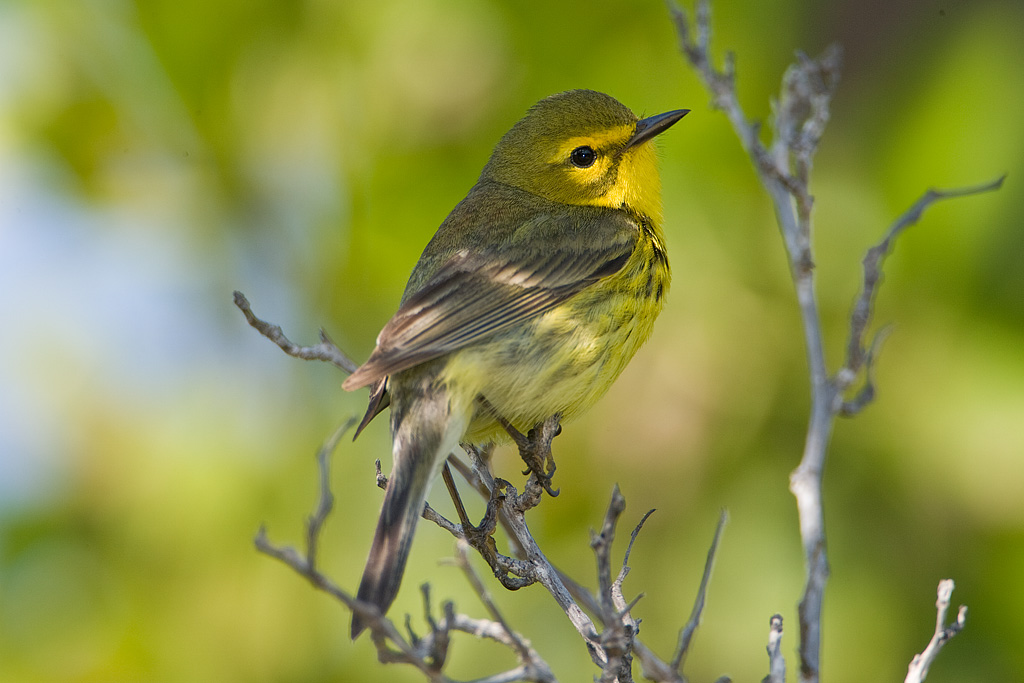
(918, 669)
(801, 114)
(325, 351)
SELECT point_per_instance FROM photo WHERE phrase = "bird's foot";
(534, 446)
(535, 450)
(480, 537)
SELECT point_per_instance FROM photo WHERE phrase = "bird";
(533, 295)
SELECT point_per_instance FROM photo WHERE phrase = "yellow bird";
(534, 294)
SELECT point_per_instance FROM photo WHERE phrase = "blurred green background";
(156, 155)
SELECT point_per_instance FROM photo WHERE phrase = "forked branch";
(918, 669)
(325, 351)
(800, 115)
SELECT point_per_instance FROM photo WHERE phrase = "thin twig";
(873, 262)
(326, 504)
(515, 506)
(617, 596)
(866, 394)
(325, 351)
(434, 648)
(800, 116)
(619, 628)
(632, 538)
(686, 633)
(453, 493)
(602, 545)
(776, 662)
(918, 669)
(536, 668)
(382, 630)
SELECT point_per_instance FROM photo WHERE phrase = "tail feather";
(424, 434)
(403, 504)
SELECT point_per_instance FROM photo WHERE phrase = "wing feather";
(475, 294)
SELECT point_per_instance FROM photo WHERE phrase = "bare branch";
(617, 596)
(619, 627)
(918, 669)
(866, 394)
(695, 44)
(602, 546)
(654, 668)
(532, 667)
(800, 119)
(434, 648)
(325, 351)
(686, 633)
(873, 261)
(514, 509)
(383, 631)
(776, 662)
(326, 504)
(801, 114)
(632, 540)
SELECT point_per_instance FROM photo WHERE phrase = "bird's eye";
(582, 157)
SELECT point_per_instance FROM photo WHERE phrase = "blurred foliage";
(155, 155)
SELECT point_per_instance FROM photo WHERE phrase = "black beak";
(653, 125)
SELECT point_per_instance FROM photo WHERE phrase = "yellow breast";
(566, 359)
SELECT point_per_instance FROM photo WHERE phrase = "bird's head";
(585, 148)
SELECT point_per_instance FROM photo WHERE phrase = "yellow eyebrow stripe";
(607, 139)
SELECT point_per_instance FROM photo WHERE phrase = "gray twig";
(531, 666)
(776, 662)
(325, 351)
(918, 669)
(427, 653)
(686, 633)
(326, 503)
(383, 631)
(619, 626)
(783, 167)
(860, 317)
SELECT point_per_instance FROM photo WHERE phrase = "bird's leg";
(534, 446)
(453, 491)
(481, 537)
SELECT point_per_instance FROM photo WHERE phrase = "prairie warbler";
(534, 293)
